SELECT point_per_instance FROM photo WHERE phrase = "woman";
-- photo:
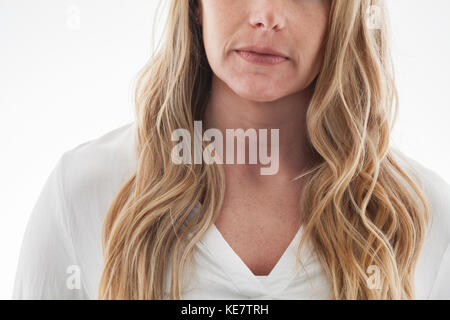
(345, 216)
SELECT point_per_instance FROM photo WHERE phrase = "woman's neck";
(227, 110)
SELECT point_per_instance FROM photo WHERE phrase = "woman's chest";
(259, 235)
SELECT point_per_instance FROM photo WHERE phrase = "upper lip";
(263, 50)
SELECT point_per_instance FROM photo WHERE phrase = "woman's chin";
(259, 95)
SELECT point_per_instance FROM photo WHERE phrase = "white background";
(61, 85)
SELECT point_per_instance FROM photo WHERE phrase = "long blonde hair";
(360, 208)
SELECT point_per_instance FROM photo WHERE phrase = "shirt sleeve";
(48, 267)
(441, 286)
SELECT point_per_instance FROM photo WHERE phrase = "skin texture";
(296, 28)
(260, 214)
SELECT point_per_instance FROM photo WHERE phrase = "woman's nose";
(267, 14)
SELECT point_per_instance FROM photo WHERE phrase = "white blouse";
(61, 255)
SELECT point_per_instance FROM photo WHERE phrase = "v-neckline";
(240, 274)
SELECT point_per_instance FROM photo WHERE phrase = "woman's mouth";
(261, 58)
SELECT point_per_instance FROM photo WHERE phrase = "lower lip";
(261, 59)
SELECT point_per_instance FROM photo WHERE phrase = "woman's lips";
(260, 58)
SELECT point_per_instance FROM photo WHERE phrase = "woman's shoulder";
(110, 148)
(64, 229)
(92, 173)
(108, 156)
(435, 187)
(433, 270)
